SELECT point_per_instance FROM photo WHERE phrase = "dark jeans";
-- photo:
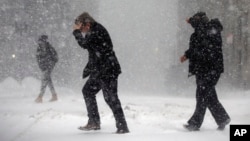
(47, 81)
(109, 87)
(206, 97)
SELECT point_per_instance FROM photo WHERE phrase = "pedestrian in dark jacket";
(206, 63)
(46, 58)
(102, 69)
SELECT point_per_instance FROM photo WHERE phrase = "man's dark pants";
(206, 97)
(109, 87)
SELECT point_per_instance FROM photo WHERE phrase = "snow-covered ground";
(150, 117)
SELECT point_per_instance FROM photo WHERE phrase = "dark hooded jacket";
(215, 45)
(205, 47)
(102, 60)
(46, 55)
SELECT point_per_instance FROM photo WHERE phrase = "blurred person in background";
(46, 58)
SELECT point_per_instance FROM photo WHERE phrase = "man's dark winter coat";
(205, 49)
(102, 59)
(215, 45)
(206, 63)
(46, 56)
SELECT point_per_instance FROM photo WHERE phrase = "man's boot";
(122, 127)
(223, 125)
(90, 126)
(39, 99)
(54, 98)
(122, 130)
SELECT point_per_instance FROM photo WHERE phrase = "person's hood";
(198, 20)
(216, 24)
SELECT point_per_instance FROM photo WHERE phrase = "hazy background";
(149, 37)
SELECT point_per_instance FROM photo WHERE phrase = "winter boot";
(54, 98)
(90, 126)
(122, 130)
(223, 125)
(190, 127)
(122, 127)
(39, 99)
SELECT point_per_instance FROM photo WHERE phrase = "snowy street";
(162, 50)
(149, 117)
